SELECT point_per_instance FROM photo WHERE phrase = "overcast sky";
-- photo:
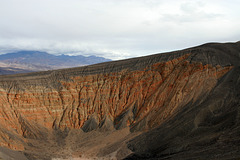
(116, 29)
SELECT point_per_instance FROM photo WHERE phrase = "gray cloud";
(115, 29)
(192, 12)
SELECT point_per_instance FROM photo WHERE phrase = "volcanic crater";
(178, 105)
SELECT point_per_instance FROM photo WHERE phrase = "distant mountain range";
(29, 61)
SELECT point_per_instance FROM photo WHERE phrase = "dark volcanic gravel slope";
(206, 129)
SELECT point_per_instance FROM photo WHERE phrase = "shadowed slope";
(206, 129)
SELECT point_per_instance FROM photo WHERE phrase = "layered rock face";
(141, 93)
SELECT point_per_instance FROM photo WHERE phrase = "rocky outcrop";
(141, 93)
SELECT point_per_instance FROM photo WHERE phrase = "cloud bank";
(115, 29)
